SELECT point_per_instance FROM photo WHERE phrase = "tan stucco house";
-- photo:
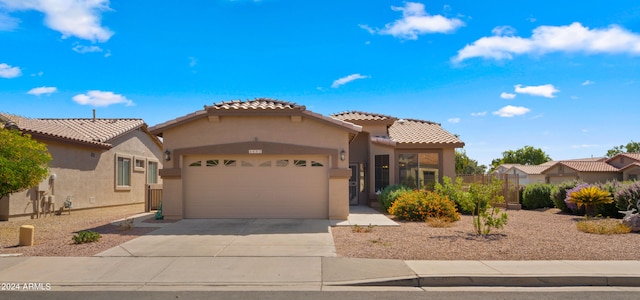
(587, 171)
(267, 158)
(389, 150)
(528, 174)
(628, 164)
(95, 163)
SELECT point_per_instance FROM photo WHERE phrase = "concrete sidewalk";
(305, 273)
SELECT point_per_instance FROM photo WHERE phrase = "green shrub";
(390, 193)
(456, 193)
(537, 195)
(559, 193)
(421, 206)
(87, 236)
(589, 197)
(485, 216)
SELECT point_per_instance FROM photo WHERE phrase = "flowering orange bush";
(420, 206)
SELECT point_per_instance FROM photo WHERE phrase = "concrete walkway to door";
(233, 238)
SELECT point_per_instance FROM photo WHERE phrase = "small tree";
(527, 155)
(466, 165)
(23, 161)
(631, 147)
(485, 215)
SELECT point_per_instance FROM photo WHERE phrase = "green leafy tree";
(482, 205)
(23, 161)
(527, 155)
(631, 147)
(466, 165)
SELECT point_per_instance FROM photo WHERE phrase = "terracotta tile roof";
(634, 156)
(255, 104)
(421, 132)
(589, 166)
(587, 159)
(530, 169)
(382, 140)
(88, 131)
(251, 105)
(355, 115)
(631, 165)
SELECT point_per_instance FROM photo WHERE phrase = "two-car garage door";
(256, 186)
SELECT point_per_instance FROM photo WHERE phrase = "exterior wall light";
(167, 155)
(342, 154)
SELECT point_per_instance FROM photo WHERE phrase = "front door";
(354, 180)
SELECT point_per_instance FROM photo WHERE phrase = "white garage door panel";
(249, 190)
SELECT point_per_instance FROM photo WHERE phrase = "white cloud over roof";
(416, 21)
(511, 111)
(546, 39)
(344, 80)
(101, 98)
(78, 18)
(42, 90)
(545, 90)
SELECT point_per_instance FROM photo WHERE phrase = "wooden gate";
(153, 196)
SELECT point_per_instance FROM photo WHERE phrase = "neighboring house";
(527, 174)
(587, 171)
(266, 158)
(503, 168)
(628, 163)
(95, 163)
(389, 150)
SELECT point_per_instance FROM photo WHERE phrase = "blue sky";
(558, 75)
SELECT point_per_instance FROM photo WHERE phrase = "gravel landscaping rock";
(53, 233)
(528, 235)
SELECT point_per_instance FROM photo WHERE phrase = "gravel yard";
(529, 235)
(53, 233)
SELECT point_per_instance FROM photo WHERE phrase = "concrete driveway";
(233, 238)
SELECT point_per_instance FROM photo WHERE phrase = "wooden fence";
(153, 196)
(510, 186)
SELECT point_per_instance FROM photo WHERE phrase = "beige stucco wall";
(554, 175)
(621, 161)
(87, 175)
(599, 176)
(448, 163)
(631, 171)
(282, 129)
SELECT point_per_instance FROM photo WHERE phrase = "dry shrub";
(439, 222)
(603, 226)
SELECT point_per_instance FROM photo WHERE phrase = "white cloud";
(511, 111)
(479, 114)
(584, 146)
(79, 18)
(8, 23)
(7, 71)
(503, 30)
(192, 61)
(546, 39)
(588, 82)
(507, 95)
(100, 98)
(42, 90)
(416, 21)
(86, 49)
(347, 79)
(546, 90)
(454, 120)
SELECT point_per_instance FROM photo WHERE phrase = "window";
(123, 172)
(316, 164)
(419, 170)
(196, 164)
(152, 172)
(381, 172)
(139, 164)
(282, 162)
(212, 163)
(229, 162)
(266, 164)
(299, 162)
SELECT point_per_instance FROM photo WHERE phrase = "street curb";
(497, 281)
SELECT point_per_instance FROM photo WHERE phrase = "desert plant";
(602, 226)
(485, 216)
(559, 193)
(589, 197)
(627, 196)
(572, 206)
(390, 193)
(86, 236)
(126, 224)
(537, 195)
(456, 192)
(362, 229)
(420, 206)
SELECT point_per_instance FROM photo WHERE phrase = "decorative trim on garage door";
(253, 148)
